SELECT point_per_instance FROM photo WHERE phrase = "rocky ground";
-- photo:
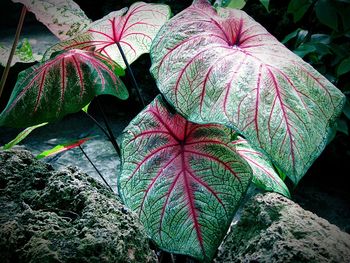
(63, 216)
(273, 228)
(67, 216)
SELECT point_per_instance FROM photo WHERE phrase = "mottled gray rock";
(275, 229)
(65, 216)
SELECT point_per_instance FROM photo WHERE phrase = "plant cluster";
(236, 107)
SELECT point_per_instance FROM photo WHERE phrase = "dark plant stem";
(136, 86)
(99, 173)
(111, 135)
(13, 49)
(99, 125)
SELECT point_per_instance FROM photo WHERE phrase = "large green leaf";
(63, 17)
(264, 174)
(46, 92)
(133, 31)
(226, 68)
(184, 180)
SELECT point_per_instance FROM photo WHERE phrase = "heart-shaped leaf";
(46, 92)
(224, 67)
(133, 31)
(64, 18)
(264, 174)
(184, 180)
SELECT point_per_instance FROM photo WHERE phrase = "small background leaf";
(265, 3)
(346, 109)
(237, 4)
(21, 136)
(23, 53)
(342, 126)
(62, 147)
(298, 8)
(344, 67)
(327, 13)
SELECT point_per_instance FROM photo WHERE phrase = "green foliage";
(343, 67)
(239, 4)
(326, 13)
(298, 8)
(324, 42)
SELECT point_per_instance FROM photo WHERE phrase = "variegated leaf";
(223, 67)
(64, 18)
(133, 31)
(184, 180)
(64, 84)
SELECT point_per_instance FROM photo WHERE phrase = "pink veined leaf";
(184, 180)
(62, 147)
(48, 91)
(264, 174)
(63, 18)
(134, 31)
(223, 67)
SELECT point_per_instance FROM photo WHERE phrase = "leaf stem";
(136, 86)
(99, 173)
(99, 125)
(110, 132)
(13, 49)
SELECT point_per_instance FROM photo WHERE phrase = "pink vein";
(148, 157)
(42, 81)
(257, 104)
(80, 75)
(193, 210)
(155, 179)
(216, 160)
(284, 116)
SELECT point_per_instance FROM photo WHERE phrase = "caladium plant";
(184, 180)
(221, 66)
(64, 84)
(131, 30)
(247, 110)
